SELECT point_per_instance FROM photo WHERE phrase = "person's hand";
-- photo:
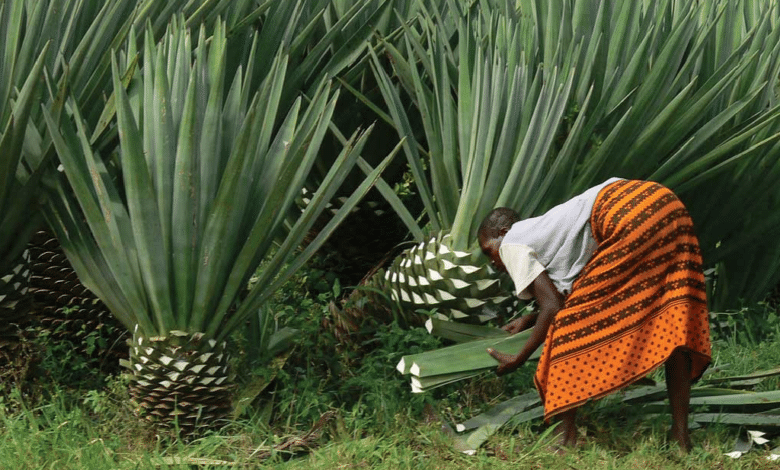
(517, 325)
(506, 362)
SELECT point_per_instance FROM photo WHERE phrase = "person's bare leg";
(568, 428)
(678, 386)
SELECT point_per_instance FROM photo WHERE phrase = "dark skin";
(550, 301)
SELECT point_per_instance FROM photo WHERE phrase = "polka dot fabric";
(641, 296)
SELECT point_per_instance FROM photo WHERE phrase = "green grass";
(337, 407)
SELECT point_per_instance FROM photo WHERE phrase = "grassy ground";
(345, 408)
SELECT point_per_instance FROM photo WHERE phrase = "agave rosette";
(210, 171)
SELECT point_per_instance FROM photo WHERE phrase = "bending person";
(617, 276)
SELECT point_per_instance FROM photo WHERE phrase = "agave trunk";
(458, 284)
(65, 308)
(15, 305)
(180, 378)
(429, 276)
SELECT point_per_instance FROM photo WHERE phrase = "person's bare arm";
(550, 302)
(522, 323)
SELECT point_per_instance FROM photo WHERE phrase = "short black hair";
(497, 221)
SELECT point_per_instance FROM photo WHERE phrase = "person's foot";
(683, 439)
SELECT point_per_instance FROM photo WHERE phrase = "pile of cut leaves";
(714, 399)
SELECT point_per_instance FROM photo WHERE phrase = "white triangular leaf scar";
(443, 250)
(468, 269)
(417, 389)
(405, 296)
(474, 303)
(428, 326)
(401, 277)
(412, 282)
(431, 300)
(483, 284)
(755, 436)
(408, 263)
(460, 284)
(417, 299)
(445, 295)
(166, 360)
(434, 275)
(415, 369)
(423, 281)
(447, 264)
(181, 365)
(418, 260)
(458, 314)
(401, 367)
(462, 254)
(429, 256)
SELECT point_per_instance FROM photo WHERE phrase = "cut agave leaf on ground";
(422, 385)
(502, 412)
(742, 446)
(742, 419)
(462, 332)
(640, 394)
(755, 375)
(471, 356)
(469, 443)
(737, 398)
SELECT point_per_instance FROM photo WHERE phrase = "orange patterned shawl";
(640, 296)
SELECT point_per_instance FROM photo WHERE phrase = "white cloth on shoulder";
(559, 242)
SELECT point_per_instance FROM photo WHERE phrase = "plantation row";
(189, 157)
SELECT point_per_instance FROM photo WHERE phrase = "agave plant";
(72, 40)
(528, 108)
(19, 181)
(209, 176)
